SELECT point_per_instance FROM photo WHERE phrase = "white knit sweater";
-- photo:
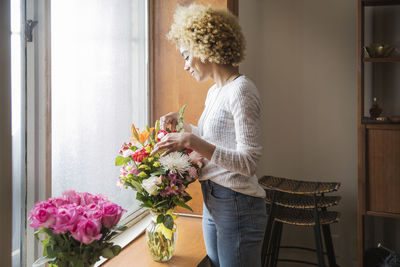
(231, 122)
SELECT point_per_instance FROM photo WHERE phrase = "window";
(86, 82)
(98, 88)
(18, 136)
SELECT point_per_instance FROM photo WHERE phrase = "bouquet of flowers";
(77, 228)
(160, 182)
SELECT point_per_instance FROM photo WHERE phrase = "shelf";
(368, 121)
(383, 214)
(386, 126)
(380, 2)
(381, 59)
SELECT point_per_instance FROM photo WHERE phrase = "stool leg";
(268, 231)
(317, 234)
(277, 244)
(269, 260)
(329, 245)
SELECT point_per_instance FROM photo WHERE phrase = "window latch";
(29, 25)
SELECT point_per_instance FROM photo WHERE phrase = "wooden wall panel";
(383, 182)
(172, 86)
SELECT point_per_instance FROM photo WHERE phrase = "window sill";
(129, 235)
(190, 249)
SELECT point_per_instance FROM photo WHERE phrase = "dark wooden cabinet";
(378, 140)
(383, 169)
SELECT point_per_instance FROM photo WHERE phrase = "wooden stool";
(300, 203)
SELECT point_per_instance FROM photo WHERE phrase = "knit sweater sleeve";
(245, 107)
(195, 129)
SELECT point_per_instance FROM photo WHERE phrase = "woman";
(226, 138)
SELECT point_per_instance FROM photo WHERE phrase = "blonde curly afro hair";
(211, 34)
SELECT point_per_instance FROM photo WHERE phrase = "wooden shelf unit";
(378, 141)
(382, 59)
(380, 2)
(383, 214)
(368, 122)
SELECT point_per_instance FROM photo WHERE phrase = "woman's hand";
(170, 119)
(196, 158)
(179, 141)
(172, 142)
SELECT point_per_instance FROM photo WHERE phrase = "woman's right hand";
(170, 119)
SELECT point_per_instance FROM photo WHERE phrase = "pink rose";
(57, 201)
(111, 214)
(86, 198)
(72, 197)
(94, 212)
(98, 199)
(66, 218)
(87, 230)
(42, 215)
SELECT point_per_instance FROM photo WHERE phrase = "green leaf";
(168, 221)
(116, 249)
(39, 231)
(121, 228)
(146, 204)
(120, 160)
(43, 260)
(136, 186)
(109, 236)
(182, 111)
(107, 253)
(77, 263)
(50, 252)
(179, 126)
(140, 197)
(86, 253)
(160, 203)
(160, 218)
(157, 127)
(156, 173)
(182, 204)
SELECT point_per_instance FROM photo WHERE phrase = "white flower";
(160, 135)
(176, 162)
(150, 186)
(127, 153)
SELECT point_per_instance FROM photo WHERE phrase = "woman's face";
(199, 70)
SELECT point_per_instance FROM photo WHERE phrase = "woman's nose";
(186, 67)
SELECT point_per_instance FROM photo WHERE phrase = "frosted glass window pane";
(98, 87)
(18, 137)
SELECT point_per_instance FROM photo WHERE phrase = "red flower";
(160, 135)
(140, 154)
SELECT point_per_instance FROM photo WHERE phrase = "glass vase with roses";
(160, 183)
(76, 229)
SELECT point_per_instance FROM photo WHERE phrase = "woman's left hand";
(172, 142)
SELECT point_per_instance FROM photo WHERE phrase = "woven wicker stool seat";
(300, 203)
(304, 217)
(297, 186)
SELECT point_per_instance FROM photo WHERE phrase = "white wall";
(302, 56)
(5, 135)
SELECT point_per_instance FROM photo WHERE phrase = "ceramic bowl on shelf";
(381, 118)
(378, 50)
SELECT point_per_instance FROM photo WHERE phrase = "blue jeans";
(233, 226)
